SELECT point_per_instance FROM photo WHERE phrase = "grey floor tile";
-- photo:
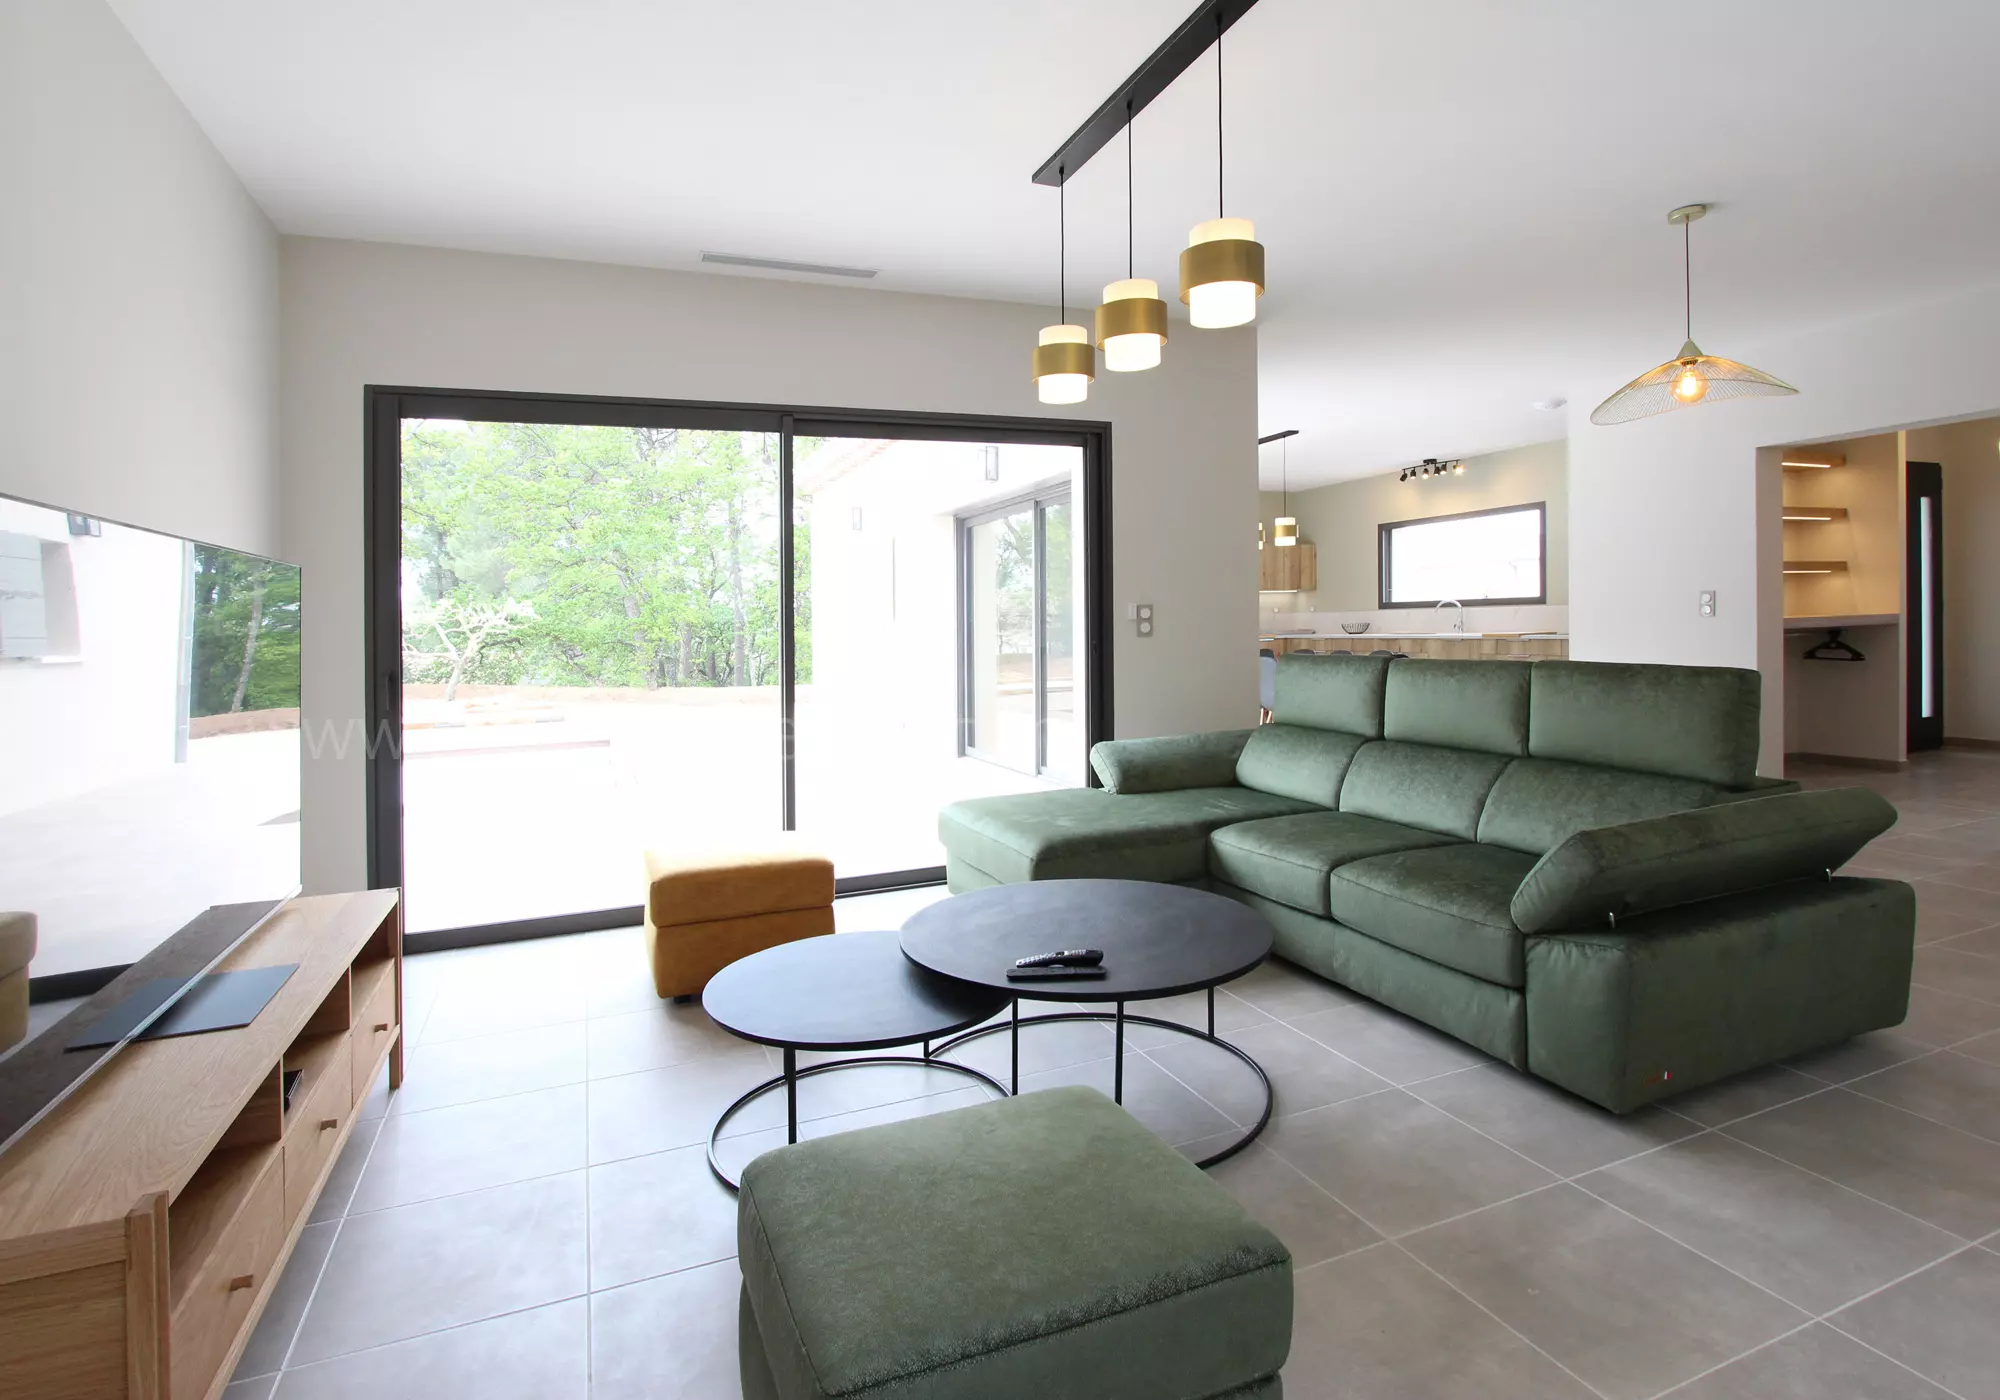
(1399, 1049)
(735, 1153)
(1623, 1307)
(1961, 974)
(653, 1037)
(540, 1354)
(657, 1110)
(1940, 1323)
(490, 1067)
(1152, 1096)
(1942, 1018)
(338, 1193)
(442, 1151)
(1936, 925)
(1742, 1095)
(1983, 905)
(492, 1004)
(1983, 943)
(1863, 1055)
(1938, 1174)
(1231, 1014)
(1985, 1049)
(375, 1103)
(1948, 1087)
(272, 1338)
(1313, 1225)
(1544, 1124)
(401, 1273)
(257, 1388)
(1377, 1325)
(1983, 876)
(653, 1215)
(1282, 990)
(1811, 1242)
(1399, 1163)
(671, 1338)
(1304, 1074)
(1043, 1047)
(1817, 1363)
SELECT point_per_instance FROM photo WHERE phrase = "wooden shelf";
(1815, 566)
(1827, 621)
(208, 1205)
(1814, 515)
(1813, 461)
(312, 1056)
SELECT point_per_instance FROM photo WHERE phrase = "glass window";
(1491, 556)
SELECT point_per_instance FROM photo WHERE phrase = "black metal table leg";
(791, 1094)
(1211, 1013)
(1118, 1059)
(1014, 1073)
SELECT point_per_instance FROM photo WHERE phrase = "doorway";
(598, 626)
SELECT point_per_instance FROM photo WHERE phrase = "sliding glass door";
(602, 627)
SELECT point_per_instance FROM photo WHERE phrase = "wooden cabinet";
(1294, 569)
(145, 1221)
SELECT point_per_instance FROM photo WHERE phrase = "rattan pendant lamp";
(1690, 377)
(1064, 360)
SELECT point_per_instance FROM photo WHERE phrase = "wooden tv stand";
(144, 1222)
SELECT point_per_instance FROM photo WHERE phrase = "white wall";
(138, 292)
(1184, 473)
(1666, 507)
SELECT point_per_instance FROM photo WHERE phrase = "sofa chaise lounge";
(1572, 866)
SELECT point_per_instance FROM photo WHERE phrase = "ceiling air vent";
(781, 265)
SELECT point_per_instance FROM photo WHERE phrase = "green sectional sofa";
(1570, 865)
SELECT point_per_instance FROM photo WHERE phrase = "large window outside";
(592, 659)
(1492, 556)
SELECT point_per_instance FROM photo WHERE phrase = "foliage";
(464, 630)
(246, 633)
(631, 556)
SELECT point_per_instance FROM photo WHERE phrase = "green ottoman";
(1045, 1246)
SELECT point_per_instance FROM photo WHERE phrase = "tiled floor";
(532, 1216)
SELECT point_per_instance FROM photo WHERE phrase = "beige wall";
(1970, 455)
(1870, 540)
(1341, 520)
(138, 292)
(1184, 469)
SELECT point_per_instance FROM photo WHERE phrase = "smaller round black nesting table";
(1158, 941)
(845, 991)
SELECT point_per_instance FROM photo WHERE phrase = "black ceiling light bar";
(1195, 36)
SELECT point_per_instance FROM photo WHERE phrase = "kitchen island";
(1454, 646)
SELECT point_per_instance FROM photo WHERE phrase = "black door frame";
(384, 408)
(1921, 481)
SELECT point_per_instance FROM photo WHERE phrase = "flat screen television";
(149, 773)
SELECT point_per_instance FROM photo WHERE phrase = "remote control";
(1054, 972)
(1074, 957)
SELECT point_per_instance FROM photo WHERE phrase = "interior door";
(1923, 556)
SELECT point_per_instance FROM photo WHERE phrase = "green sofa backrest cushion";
(1433, 789)
(1480, 705)
(1332, 692)
(1169, 762)
(1614, 872)
(1291, 760)
(1696, 722)
(1539, 803)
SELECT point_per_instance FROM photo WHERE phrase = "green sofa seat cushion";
(1289, 858)
(1084, 833)
(1698, 722)
(1481, 705)
(1540, 803)
(1042, 1245)
(1169, 762)
(1448, 904)
(1293, 760)
(1441, 790)
(1615, 872)
(1332, 692)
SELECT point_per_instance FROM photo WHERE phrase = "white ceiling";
(1463, 200)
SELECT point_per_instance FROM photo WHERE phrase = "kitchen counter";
(1459, 646)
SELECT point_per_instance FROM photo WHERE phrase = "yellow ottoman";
(706, 909)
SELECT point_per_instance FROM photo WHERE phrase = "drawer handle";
(326, 1123)
(242, 1281)
(381, 1026)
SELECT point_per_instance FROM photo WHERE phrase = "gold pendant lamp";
(1690, 377)
(1285, 529)
(1222, 268)
(1064, 362)
(1132, 322)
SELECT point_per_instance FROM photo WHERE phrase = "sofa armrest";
(1614, 872)
(1168, 763)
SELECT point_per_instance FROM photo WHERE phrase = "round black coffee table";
(843, 991)
(1158, 941)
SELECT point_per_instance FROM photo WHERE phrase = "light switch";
(1708, 602)
(1142, 615)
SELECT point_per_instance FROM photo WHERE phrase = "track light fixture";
(1064, 362)
(1432, 467)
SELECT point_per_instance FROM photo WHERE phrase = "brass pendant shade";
(1064, 361)
(1222, 273)
(1132, 325)
(1691, 377)
(1285, 532)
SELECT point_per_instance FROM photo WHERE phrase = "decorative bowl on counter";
(1354, 629)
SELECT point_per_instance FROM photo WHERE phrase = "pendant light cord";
(1219, 206)
(1128, 189)
(1062, 246)
(1687, 276)
(1285, 474)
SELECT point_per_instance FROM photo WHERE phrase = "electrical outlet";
(1142, 617)
(1708, 602)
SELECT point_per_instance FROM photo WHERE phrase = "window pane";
(1467, 558)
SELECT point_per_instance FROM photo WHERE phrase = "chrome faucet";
(1459, 627)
